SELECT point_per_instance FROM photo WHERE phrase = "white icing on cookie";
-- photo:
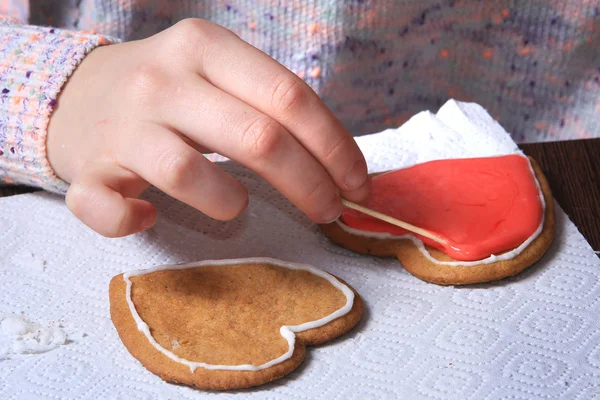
(458, 130)
(286, 331)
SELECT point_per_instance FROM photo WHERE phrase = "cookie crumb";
(37, 262)
(77, 336)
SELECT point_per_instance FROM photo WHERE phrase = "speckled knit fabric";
(534, 64)
(35, 63)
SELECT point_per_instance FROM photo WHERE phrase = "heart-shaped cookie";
(230, 323)
(521, 226)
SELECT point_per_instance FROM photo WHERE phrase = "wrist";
(68, 119)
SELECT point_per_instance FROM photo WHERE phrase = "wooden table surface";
(573, 171)
(572, 168)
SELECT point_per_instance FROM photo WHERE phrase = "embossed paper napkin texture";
(533, 336)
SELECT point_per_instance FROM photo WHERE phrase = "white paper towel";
(533, 336)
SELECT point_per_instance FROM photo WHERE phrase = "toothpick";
(394, 221)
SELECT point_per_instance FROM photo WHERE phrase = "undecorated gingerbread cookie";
(495, 213)
(232, 323)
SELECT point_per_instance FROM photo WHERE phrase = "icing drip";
(287, 332)
(19, 336)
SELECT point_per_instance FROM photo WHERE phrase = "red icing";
(480, 206)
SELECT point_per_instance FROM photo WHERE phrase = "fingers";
(104, 209)
(104, 195)
(236, 130)
(256, 79)
(166, 161)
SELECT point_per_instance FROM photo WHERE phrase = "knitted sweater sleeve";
(35, 63)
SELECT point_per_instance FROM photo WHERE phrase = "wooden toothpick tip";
(394, 221)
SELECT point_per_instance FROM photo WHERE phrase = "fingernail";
(357, 175)
(148, 221)
(333, 211)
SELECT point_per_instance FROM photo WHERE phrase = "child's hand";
(141, 113)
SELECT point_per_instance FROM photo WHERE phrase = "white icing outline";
(286, 331)
(421, 246)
